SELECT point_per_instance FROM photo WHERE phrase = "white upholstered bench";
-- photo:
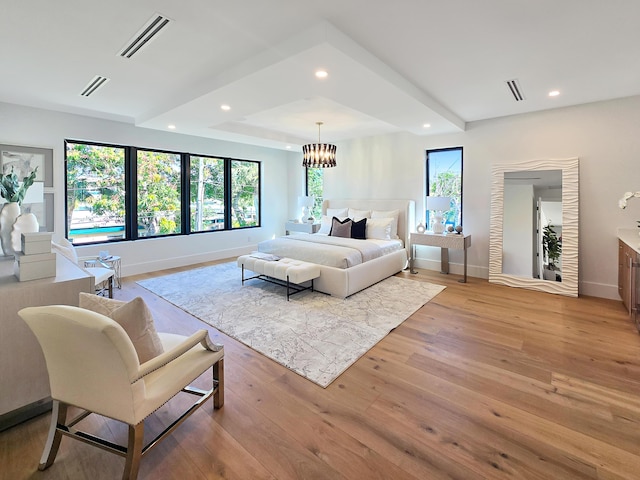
(293, 273)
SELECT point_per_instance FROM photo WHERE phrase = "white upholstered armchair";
(92, 364)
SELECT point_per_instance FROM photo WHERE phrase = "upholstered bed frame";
(341, 282)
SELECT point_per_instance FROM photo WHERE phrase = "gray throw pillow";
(341, 228)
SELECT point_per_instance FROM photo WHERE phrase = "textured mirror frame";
(570, 210)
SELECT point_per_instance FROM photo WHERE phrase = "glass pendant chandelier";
(318, 155)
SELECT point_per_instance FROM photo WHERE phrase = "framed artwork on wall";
(24, 160)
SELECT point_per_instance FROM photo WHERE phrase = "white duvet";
(330, 251)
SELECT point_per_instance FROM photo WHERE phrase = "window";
(95, 192)
(206, 194)
(315, 183)
(124, 193)
(444, 179)
(159, 197)
(245, 194)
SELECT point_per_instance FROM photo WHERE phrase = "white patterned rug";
(315, 335)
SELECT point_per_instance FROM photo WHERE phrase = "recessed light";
(226, 108)
(171, 127)
(321, 74)
(426, 125)
(554, 93)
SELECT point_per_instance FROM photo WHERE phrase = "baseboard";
(22, 414)
(174, 262)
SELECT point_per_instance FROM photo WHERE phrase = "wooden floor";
(483, 382)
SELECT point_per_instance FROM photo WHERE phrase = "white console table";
(445, 242)
(24, 381)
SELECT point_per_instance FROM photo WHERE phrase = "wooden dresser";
(24, 383)
(628, 262)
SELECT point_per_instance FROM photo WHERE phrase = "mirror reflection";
(532, 225)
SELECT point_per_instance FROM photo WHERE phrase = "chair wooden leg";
(134, 451)
(218, 376)
(58, 416)
(110, 280)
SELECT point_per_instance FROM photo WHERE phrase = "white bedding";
(335, 252)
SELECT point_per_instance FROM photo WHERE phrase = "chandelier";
(318, 155)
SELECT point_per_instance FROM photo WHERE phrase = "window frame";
(131, 191)
(428, 180)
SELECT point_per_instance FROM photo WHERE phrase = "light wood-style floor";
(483, 382)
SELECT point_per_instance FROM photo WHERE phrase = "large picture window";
(315, 183)
(444, 179)
(95, 192)
(159, 197)
(206, 194)
(245, 194)
(124, 193)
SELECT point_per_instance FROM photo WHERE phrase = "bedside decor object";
(14, 192)
(306, 202)
(438, 205)
(319, 155)
(450, 229)
(622, 203)
(458, 228)
(421, 228)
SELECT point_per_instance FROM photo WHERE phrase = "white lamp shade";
(305, 201)
(442, 204)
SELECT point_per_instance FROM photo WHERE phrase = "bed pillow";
(359, 229)
(394, 214)
(337, 212)
(134, 317)
(340, 228)
(379, 228)
(358, 214)
(325, 225)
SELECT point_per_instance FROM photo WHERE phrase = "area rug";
(315, 335)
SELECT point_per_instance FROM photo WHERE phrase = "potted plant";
(13, 191)
(552, 248)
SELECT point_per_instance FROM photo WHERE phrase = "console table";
(24, 381)
(445, 242)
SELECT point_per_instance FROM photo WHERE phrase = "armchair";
(102, 273)
(93, 365)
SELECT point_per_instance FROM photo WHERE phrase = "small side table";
(114, 262)
(445, 242)
(301, 227)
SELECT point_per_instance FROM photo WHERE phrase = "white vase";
(8, 215)
(25, 223)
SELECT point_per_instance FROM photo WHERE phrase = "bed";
(346, 275)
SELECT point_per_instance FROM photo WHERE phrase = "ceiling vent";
(94, 85)
(147, 33)
(516, 89)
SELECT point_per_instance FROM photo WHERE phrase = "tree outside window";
(315, 183)
(245, 194)
(159, 196)
(95, 192)
(206, 194)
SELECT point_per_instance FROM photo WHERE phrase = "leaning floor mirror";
(534, 226)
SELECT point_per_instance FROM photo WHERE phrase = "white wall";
(603, 135)
(46, 129)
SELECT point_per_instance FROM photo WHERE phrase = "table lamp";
(306, 202)
(438, 205)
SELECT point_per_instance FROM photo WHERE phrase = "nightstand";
(301, 227)
(445, 242)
